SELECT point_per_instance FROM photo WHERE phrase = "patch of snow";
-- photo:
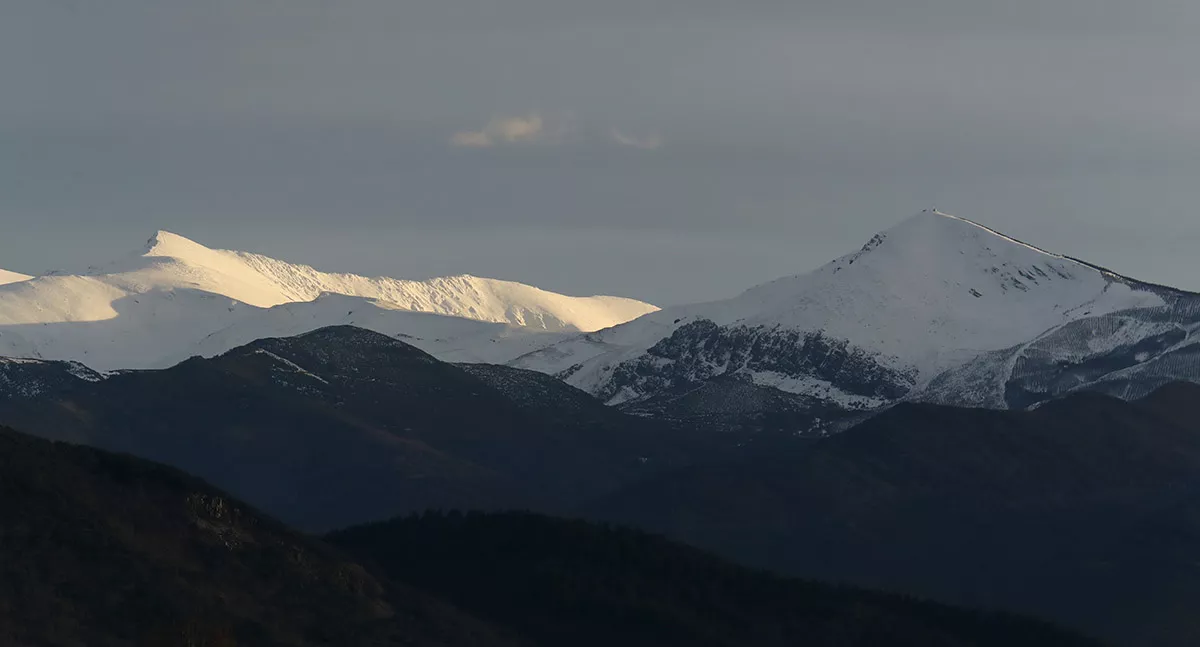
(815, 387)
(84, 373)
(1121, 331)
(291, 365)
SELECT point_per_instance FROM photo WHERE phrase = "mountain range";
(946, 412)
(937, 309)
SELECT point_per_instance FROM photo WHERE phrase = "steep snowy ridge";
(177, 298)
(265, 282)
(928, 295)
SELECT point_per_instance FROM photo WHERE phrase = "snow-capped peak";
(162, 242)
(166, 244)
(923, 237)
(930, 293)
(937, 273)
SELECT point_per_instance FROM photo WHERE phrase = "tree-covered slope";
(565, 582)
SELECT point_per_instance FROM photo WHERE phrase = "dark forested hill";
(1085, 510)
(106, 550)
(572, 583)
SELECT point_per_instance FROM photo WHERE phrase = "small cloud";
(649, 142)
(473, 139)
(502, 130)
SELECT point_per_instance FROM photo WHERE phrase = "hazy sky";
(671, 150)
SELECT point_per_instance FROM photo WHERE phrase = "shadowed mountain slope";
(1085, 510)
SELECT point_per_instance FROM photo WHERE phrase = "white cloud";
(648, 142)
(502, 130)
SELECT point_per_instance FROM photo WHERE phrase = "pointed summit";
(942, 244)
(166, 244)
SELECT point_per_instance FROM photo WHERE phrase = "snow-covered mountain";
(931, 295)
(178, 298)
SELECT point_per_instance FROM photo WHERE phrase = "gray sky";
(670, 150)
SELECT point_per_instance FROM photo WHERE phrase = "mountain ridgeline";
(344, 425)
(936, 309)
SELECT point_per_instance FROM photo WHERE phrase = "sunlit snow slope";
(868, 328)
(7, 277)
(179, 298)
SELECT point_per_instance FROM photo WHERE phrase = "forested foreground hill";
(562, 582)
(100, 549)
(103, 550)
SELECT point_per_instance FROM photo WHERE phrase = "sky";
(668, 150)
